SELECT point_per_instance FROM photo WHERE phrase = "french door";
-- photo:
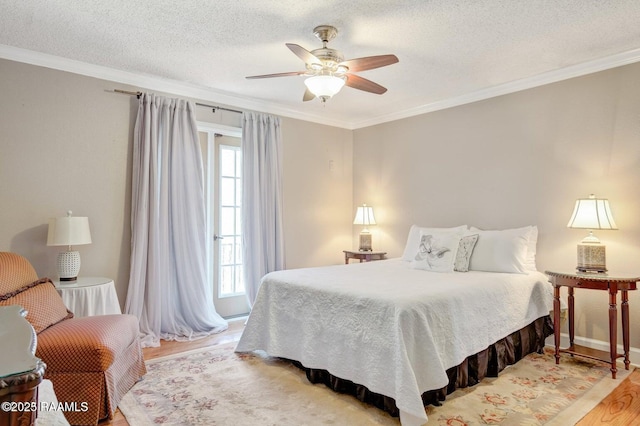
(222, 159)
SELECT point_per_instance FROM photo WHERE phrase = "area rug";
(215, 386)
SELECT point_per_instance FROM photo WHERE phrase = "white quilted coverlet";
(393, 329)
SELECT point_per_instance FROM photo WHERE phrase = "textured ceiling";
(447, 48)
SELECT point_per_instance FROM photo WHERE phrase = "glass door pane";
(223, 165)
(231, 282)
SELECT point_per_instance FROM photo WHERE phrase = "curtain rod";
(213, 107)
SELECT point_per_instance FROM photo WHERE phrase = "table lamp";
(591, 213)
(68, 231)
(364, 216)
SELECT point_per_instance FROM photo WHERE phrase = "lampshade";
(592, 213)
(68, 231)
(324, 86)
(364, 216)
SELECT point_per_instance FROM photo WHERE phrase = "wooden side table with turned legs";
(605, 282)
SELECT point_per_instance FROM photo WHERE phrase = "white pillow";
(436, 251)
(413, 239)
(501, 251)
(530, 263)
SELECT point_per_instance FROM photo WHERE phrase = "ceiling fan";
(327, 71)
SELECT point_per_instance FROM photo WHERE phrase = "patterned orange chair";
(92, 361)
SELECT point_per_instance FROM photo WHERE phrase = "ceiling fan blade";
(369, 62)
(304, 54)
(360, 83)
(281, 74)
(308, 96)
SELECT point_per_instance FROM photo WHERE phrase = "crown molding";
(154, 83)
(210, 95)
(590, 67)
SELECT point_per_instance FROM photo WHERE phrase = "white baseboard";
(634, 353)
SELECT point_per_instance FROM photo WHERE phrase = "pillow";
(413, 240)
(465, 249)
(530, 263)
(436, 251)
(501, 251)
(42, 302)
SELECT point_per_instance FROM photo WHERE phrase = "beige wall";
(516, 160)
(66, 143)
(317, 193)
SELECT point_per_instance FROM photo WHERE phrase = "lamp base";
(68, 265)
(365, 241)
(592, 258)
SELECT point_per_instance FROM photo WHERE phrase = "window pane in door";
(227, 252)
(230, 228)
(227, 191)
(226, 279)
(227, 162)
(227, 221)
(239, 279)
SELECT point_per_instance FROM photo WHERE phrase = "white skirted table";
(89, 296)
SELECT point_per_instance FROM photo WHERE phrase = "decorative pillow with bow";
(437, 251)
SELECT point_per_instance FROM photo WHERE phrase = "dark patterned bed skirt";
(487, 363)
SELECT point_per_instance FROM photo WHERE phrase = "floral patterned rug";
(535, 391)
(215, 386)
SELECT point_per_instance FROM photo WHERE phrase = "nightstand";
(89, 296)
(363, 256)
(591, 281)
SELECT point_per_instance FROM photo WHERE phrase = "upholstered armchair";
(92, 360)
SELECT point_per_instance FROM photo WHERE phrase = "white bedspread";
(393, 329)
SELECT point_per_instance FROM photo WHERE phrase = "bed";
(395, 334)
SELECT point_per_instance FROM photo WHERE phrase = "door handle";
(217, 237)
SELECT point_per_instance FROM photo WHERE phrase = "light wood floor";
(620, 408)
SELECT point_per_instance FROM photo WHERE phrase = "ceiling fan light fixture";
(324, 86)
(327, 71)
